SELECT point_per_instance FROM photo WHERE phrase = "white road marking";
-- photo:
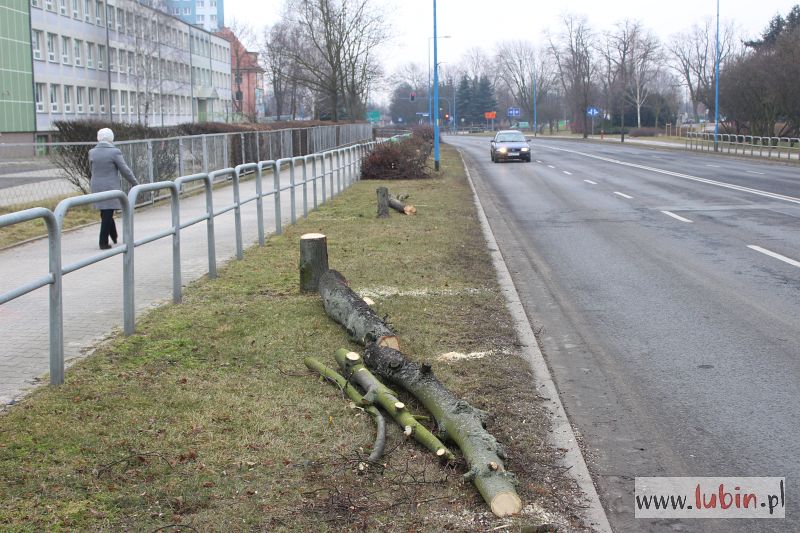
(568, 173)
(550, 166)
(676, 217)
(590, 181)
(757, 192)
(775, 255)
(538, 161)
(754, 172)
(623, 195)
(713, 166)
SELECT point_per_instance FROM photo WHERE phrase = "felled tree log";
(345, 307)
(399, 205)
(313, 260)
(376, 392)
(383, 202)
(458, 421)
(353, 394)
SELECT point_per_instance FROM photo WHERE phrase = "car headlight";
(502, 150)
(526, 149)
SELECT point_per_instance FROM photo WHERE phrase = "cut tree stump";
(399, 205)
(345, 307)
(313, 260)
(343, 384)
(376, 392)
(458, 421)
(383, 202)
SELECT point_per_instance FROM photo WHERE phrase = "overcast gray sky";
(483, 23)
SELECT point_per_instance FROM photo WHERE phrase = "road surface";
(665, 287)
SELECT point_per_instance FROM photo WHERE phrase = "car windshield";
(510, 137)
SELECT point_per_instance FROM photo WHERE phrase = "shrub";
(644, 132)
(405, 159)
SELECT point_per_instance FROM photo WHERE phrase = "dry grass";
(207, 419)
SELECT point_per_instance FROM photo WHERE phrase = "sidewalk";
(92, 300)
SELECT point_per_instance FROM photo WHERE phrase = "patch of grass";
(207, 417)
(23, 231)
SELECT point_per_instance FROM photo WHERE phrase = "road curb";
(563, 435)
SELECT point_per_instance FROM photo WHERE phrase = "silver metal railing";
(750, 145)
(346, 169)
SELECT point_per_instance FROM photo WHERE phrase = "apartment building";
(208, 14)
(118, 60)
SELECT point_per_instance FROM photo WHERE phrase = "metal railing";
(751, 145)
(36, 172)
(315, 173)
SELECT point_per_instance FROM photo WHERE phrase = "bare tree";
(336, 53)
(576, 66)
(646, 60)
(693, 53)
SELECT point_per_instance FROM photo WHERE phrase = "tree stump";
(383, 202)
(313, 260)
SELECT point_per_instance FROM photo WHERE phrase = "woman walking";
(107, 164)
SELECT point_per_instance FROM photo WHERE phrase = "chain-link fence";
(32, 174)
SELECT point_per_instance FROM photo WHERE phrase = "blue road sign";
(513, 111)
(592, 112)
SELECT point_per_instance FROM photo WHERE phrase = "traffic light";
(447, 116)
(412, 96)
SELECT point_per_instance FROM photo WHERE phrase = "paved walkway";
(93, 295)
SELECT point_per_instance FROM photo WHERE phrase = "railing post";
(305, 186)
(322, 175)
(205, 154)
(259, 204)
(276, 179)
(56, 309)
(292, 191)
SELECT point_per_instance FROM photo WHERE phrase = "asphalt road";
(665, 287)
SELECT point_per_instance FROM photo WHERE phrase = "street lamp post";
(716, 87)
(430, 98)
(435, 94)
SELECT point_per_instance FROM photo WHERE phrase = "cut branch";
(345, 307)
(398, 205)
(353, 394)
(376, 392)
(459, 421)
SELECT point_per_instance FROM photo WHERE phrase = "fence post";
(205, 154)
(292, 191)
(276, 180)
(181, 171)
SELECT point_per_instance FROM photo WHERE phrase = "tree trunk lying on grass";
(376, 392)
(460, 422)
(398, 205)
(380, 437)
(346, 308)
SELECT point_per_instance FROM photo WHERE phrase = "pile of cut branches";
(403, 159)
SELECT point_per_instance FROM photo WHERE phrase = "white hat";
(105, 135)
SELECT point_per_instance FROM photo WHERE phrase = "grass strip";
(207, 417)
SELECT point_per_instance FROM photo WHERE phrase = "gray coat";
(107, 164)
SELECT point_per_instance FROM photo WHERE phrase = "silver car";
(510, 145)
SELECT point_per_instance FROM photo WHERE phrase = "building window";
(112, 55)
(90, 55)
(54, 98)
(213, 3)
(213, 19)
(67, 99)
(77, 52)
(123, 104)
(98, 11)
(51, 47)
(123, 62)
(103, 98)
(36, 44)
(40, 97)
(187, 10)
(114, 99)
(65, 46)
(110, 15)
(200, 19)
(101, 56)
(91, 94)
(75, 5)
(130, 63)
(48, 4)
(120, 20)
(35, 3)
(62, 7)
(87, 10)
(79, 99)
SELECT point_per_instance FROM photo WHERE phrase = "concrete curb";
(563, 435)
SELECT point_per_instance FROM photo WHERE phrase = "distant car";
(510, 145)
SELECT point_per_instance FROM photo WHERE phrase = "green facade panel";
(16, 74)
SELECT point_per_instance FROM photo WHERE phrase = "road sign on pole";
(513, 112)
(592, 112)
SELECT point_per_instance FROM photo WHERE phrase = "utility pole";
(435, 94)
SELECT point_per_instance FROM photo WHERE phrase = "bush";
(644, 132)
(405, 159)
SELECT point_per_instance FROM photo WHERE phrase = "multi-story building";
(115, 59)
(208, 14)
(248, 79)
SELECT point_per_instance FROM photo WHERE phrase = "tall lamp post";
(716, 87)
(435, 94)
(430, 98)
